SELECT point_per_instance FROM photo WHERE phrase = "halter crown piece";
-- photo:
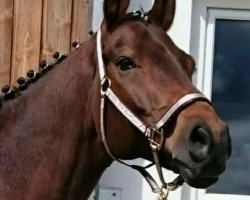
(151, 133)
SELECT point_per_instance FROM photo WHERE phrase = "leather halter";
(154, 134)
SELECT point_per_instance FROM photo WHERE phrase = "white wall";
(118, 176)
(181, 29)
(98, 13)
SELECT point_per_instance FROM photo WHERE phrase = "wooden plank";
(6, 21)
(26, 37)
(56, 27)
(82, 13)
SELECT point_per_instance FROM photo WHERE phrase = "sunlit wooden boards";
(26, 37)
(6, 20)
(31, 31)
(56, 32)
(81, 20)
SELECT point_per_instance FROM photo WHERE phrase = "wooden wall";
(32, 30)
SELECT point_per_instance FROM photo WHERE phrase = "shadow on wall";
(124, 182)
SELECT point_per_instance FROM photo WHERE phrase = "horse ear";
(162, 13)
(114, 10)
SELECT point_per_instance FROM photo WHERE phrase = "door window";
(231, 97)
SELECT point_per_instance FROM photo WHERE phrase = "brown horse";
(51, 143)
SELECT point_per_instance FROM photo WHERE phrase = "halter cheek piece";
(154, 134)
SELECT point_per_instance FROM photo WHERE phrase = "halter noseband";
(154, 134)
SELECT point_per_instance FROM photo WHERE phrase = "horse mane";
(12, 94)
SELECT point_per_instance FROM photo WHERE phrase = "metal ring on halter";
(163, 195)
(172, 187)
(105, 84)
(176, 183)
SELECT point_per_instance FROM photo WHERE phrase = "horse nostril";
(199, 144)
(228, 142)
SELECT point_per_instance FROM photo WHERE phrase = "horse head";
(151, 75)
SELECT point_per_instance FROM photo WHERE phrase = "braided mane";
(13, 92)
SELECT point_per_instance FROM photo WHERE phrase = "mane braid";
(13, 92)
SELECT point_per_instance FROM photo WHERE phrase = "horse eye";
(125, 64)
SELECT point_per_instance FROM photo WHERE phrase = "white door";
(221, 45)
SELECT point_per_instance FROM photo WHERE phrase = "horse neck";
(49, 148)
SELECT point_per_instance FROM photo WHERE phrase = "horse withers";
(124, 93)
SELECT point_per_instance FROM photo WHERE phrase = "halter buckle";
(155, 138)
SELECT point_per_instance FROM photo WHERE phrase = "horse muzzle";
(206, 158)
